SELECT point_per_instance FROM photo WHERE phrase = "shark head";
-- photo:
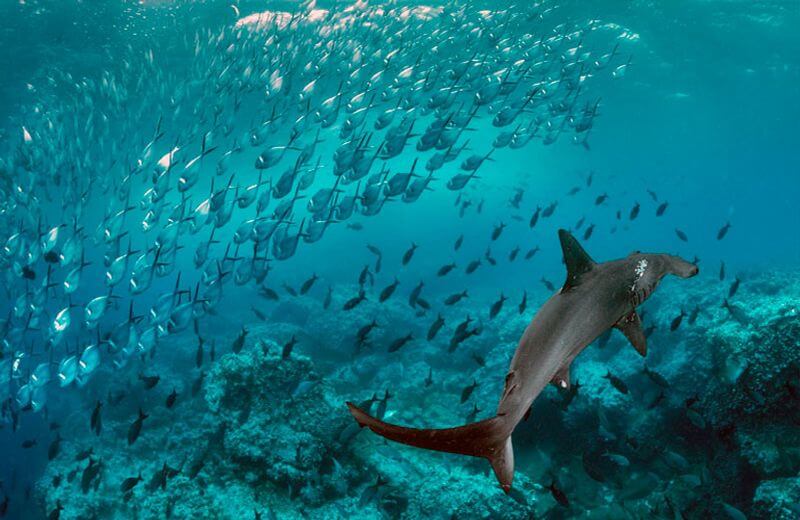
(647, 270)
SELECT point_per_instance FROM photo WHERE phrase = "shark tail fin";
(490, 439)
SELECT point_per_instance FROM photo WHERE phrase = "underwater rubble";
(709, 429)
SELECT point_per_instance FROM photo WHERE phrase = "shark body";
(594, 298)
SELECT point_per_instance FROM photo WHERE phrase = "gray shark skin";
(594, 298)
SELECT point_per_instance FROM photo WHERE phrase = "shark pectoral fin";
(576, 258)
(631, 326)
(502, 462)
(561, 379)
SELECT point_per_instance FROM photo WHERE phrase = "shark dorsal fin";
(577, 259)
(631, 326)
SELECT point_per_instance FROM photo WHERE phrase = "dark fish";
(634, 211)
(655, 377)
(170, 402)
(28, 443)
(676, 321)
(497, 306)
(308, 284)
(681, 235)
(289, 289)
(531, 253)
(387, 291)
(558, 495)
(328, 298)
(97, 420)
(588, 233)
(721, 271)
(535, 217)
(446, 269)
(197, 385)
(409, 254)
(429, 379)
(734, 287)
(455, 298)
(149, 381)
(548, 284)
(723, 231)
(380, 411)
(55, 513)
(549, 210)
(600, 199)
(130, 483)
(524, 303)
(268, 293)
(616, 382)
(136, 427)
(238, 343)
(354, 301)
(260, 315)
(415, 293)
(653, 195)
(694, 314)
(480, 360)
(459, 241)
(497, 231)
(55, 448)
(288, 347)
(472, 266)
(364, 331)
(435, 327)
(400, 342)
(512, 255)
(661, 208)
(467, 391)
(84, 454)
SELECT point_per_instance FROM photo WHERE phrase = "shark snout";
(680, 267)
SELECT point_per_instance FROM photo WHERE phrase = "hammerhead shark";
(594, 298)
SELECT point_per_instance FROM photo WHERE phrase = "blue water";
(705, 117)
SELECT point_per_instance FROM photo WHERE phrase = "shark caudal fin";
(489, 439)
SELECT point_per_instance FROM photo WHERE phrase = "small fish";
(286, 352)
(734, 287)
(130, 483)
(268, 293)
(458, 242)
(535, 217)
(721, 271)
(472, 266)
(661, 208)
(400, 342)
(171, 398)
(676, 321)
(497, 306)
(435, 327)
(681, 235)
(456, 297)
(409, 254)
(548, 284)
(600, 199)
(693, 315)
(260, 315)
(328, 298)
(96, 420)
(559, 496)
(308, 284)
(415, 294)
(467, 391)
(634, 212)
(429, 380)
(136, 427)
(445, 269)
(531, 253)
(353, 302)
(616, 382)
(238, 343)
(512, 255)
(524, 303)
(497, 231)
(149, 381)
(387, 291)
(655, 377)
(723, 231)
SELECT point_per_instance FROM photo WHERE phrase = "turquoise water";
(181, 131)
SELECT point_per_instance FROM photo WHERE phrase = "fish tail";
(490, 439)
